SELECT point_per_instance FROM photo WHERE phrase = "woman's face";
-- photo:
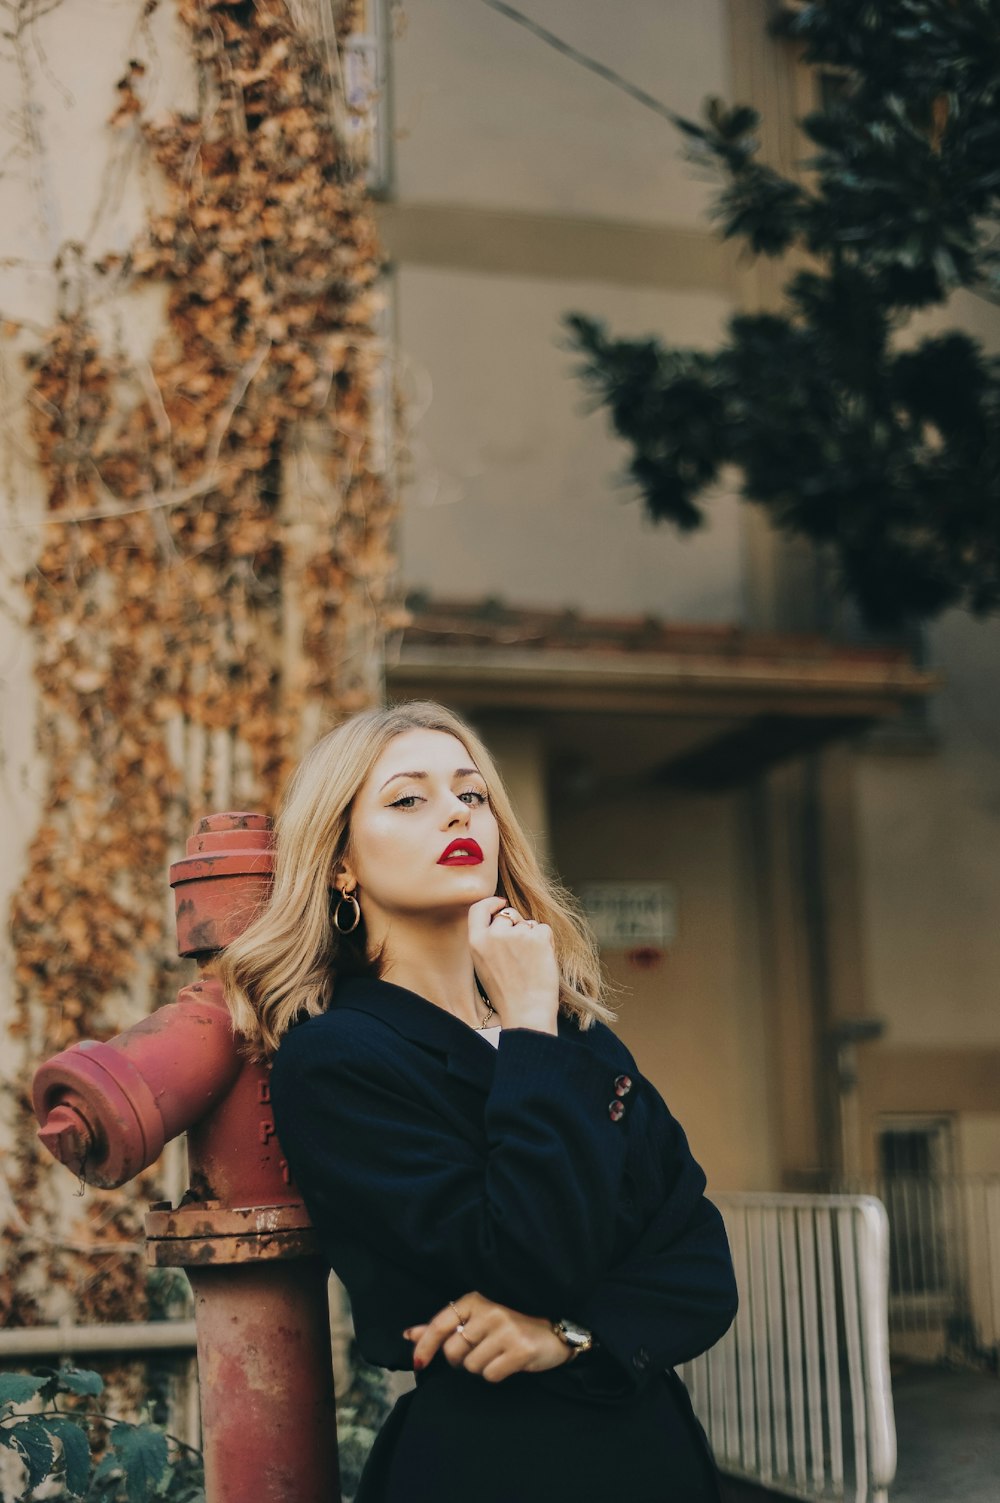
(423, 839)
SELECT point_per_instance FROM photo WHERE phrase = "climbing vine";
(216, 565)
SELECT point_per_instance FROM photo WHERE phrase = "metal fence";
(797, 1395)
(944, 1266)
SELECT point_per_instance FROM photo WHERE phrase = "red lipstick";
(461, 852)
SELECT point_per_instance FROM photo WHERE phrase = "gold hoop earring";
(347, 897)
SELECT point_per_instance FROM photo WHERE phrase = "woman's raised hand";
(494, 1341)
(515, 961)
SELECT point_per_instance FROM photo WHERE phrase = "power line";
(590, 63)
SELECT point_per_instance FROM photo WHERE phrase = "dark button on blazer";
(433, 1163)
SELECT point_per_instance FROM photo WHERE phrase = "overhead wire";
(987, 288)
(649, 101)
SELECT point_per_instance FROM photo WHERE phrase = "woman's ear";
(343, 878)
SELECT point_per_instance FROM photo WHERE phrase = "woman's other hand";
(497, 1341)
(515, 961)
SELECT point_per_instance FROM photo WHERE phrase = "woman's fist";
(515, 961)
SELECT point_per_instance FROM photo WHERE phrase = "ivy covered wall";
(197, 502)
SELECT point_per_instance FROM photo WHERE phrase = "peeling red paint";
(222, 881)
(241, 1231)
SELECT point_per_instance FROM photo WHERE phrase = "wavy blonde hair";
(285, 964)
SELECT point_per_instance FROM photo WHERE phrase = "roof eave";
(853, 685)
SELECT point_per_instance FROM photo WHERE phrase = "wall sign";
(626, 914)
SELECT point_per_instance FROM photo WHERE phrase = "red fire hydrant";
(241, 1232)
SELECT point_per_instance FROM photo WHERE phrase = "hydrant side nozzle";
(141, 1089)
(125, 1127)
(68, 1136)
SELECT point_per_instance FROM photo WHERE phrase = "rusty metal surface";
(222, 882)
(212, 1219)
(233, 1153)
(120, 1129)
(200, 1252)
(266, 1376)
(234, 829)
(241, 1232)
(67, 1133)
(106, 1109)
(200, 1233)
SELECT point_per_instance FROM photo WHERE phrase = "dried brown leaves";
(166, 617)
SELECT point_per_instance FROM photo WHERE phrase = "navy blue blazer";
(546, 1173)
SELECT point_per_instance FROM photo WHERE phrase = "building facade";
(821, 820)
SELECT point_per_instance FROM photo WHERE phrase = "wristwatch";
(575, 1337)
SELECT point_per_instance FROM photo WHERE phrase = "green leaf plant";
(886, 456)
(56, 1437)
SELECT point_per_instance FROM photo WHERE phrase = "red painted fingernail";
(419, 1362)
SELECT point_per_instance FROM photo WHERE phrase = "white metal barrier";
(980, 1203)
(797, 1395)
(944, 1265)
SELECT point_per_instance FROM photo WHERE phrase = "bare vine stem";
(156, 596)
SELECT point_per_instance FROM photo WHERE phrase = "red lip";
(461, 853)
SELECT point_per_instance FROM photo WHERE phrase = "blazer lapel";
(470, 1058)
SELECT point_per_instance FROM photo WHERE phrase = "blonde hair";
(285, 964)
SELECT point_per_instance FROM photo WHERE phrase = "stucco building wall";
(525, 187)
(488, 116)
(694, 1015)
(516, 488)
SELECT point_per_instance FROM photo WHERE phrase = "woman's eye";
(475, 796)
(408, 801)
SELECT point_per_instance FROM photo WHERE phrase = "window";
(915, 1162)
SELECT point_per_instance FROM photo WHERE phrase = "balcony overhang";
(762, 697)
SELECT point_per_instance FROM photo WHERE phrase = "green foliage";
(18, 1388)
(30, 1440)
(79, 1381)
(354, 1441)
(141, 1453)
(361, 1412)
(888, 459)
(74, 1446)
(168, 1295)
(140, 1463)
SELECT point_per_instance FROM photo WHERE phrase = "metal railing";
(797, 1396)
(944, 1265)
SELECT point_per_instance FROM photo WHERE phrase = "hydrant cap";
(67, 1135)
(232, 831)
(223, 881)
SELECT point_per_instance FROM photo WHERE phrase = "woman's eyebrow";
(460, 772)
(402, 775)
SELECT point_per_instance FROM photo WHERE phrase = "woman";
(510, 1205)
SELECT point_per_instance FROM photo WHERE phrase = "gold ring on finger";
(460, 1331)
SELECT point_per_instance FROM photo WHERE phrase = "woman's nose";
(458, 814)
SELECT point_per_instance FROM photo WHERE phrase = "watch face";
(574, 1335)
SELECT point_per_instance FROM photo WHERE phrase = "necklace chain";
(489, 1014)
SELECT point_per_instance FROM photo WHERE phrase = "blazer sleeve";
(672, 1296)
(527, 1218)
(660, 1308)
